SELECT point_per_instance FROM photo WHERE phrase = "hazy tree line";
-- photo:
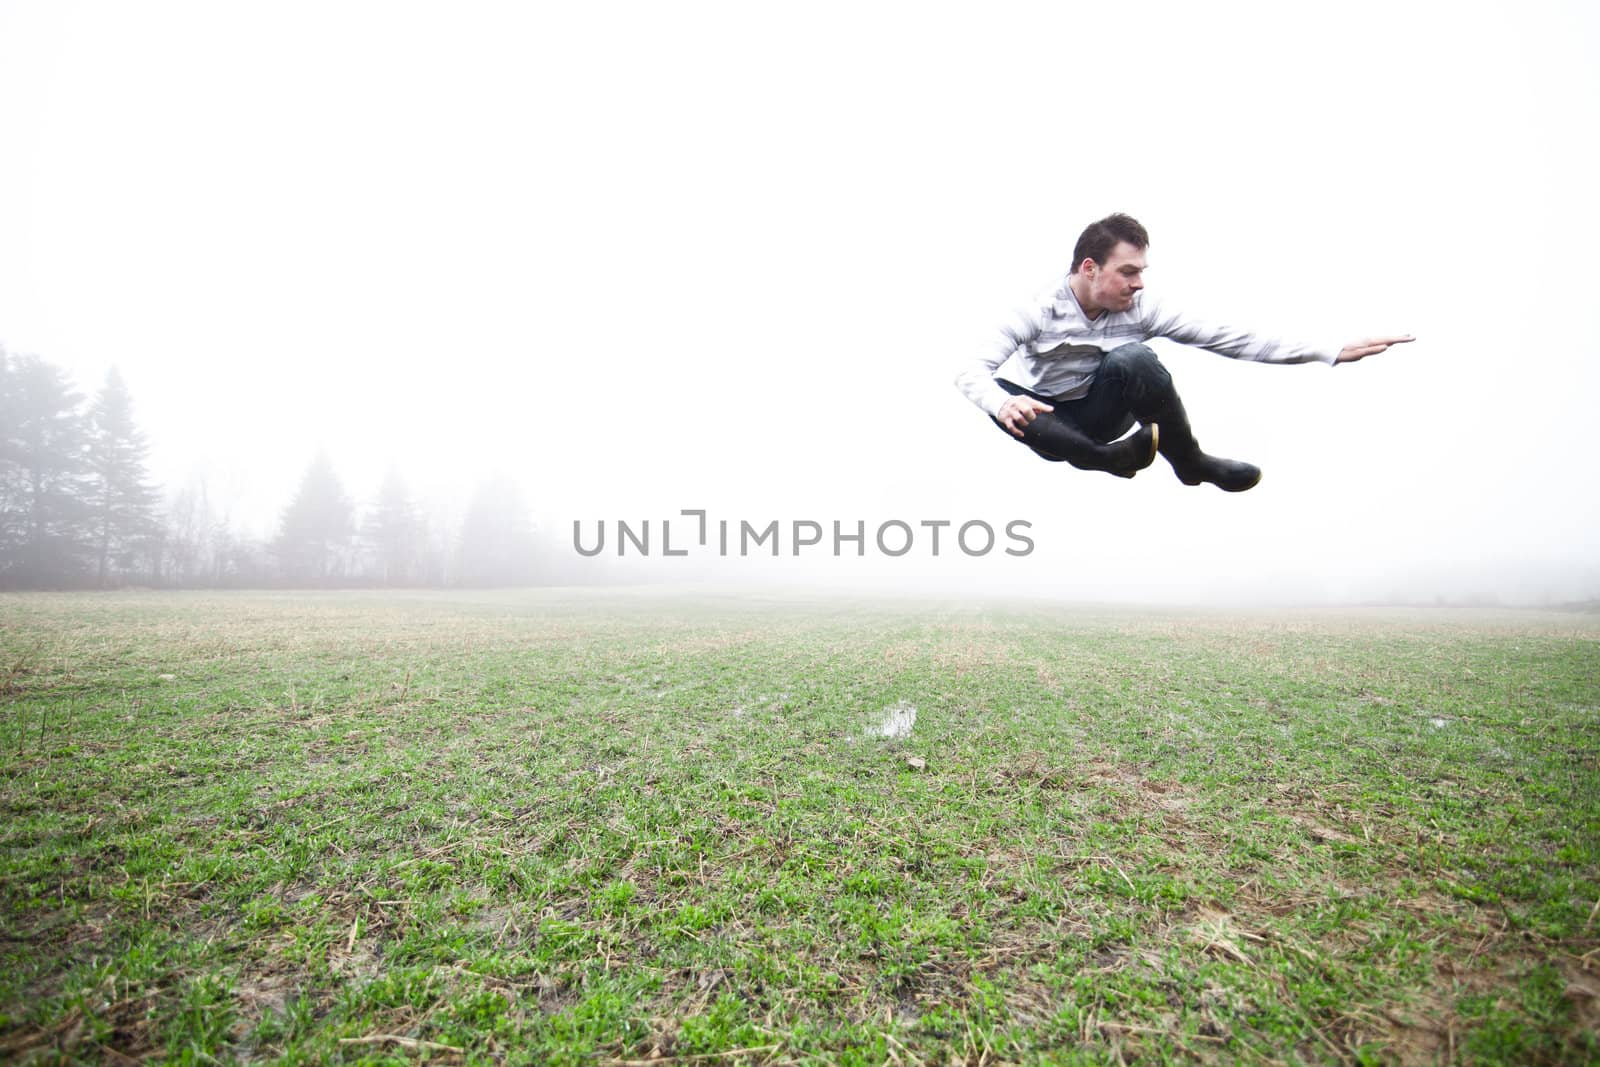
(78, 509)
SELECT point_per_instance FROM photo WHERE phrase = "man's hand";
(1019, 411)
(1370, 347)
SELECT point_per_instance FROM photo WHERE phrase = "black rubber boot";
(1229, 475)
(1061, 442)
(1133, 453)
(1124, 458)
(1191, 465)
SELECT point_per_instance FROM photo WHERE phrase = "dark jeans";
(1130, 386)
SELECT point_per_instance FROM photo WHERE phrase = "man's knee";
(1135, 358)
(1137, 364)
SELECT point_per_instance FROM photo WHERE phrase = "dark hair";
(1097, 241)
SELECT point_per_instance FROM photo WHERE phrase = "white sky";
(647, 257)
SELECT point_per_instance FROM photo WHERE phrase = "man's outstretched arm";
(1162, 321)
(1370, 347)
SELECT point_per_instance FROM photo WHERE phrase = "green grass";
(585, 828)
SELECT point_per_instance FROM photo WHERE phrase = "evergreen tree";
(497, 546)
(315, 533)
(188, 518)
(121, 504)
(42, 465)
(13, 496)
(395, 532)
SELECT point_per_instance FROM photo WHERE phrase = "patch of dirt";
(1035, 768)
(1142, 793)
(260, 994)
(964, 658)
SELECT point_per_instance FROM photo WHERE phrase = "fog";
(653, 258)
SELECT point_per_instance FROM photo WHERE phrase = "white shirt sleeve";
(1231, 341)
(976, 380)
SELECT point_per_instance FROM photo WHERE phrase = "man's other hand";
(1017, 412)
(1370, 347)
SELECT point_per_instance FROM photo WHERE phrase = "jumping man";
(1078, 375)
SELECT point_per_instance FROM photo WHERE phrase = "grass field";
(609, 827)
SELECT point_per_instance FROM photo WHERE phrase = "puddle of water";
(897, 722)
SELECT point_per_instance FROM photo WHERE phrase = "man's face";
(1113, 283)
